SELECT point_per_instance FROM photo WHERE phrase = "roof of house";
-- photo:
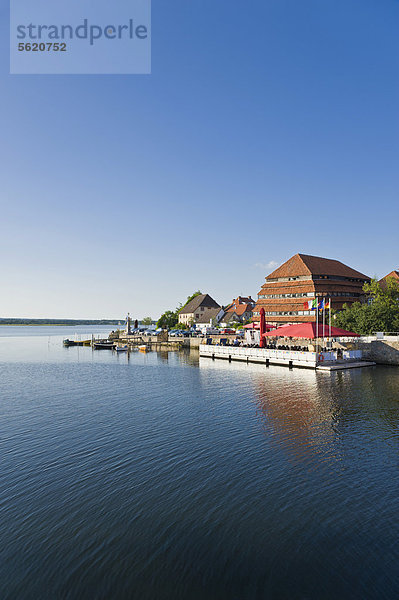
(210, 314)
(304, 264)
(393, 274)
(240, 309)
(230, 316)
(241, 304)
(200, 300)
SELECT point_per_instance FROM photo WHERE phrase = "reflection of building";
(199, 309)
(287, 291)
(295, 412)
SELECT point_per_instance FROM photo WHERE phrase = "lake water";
(164, 476)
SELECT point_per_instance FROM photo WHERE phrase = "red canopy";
(256, 325)
(308, 331)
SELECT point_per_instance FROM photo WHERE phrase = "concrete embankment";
(164, 340)
(382, 352)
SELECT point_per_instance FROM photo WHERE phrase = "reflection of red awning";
(308, 331)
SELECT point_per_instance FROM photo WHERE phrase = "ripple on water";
(165, 476)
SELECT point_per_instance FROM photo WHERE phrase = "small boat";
(144, 348)
(103, 345)
(68, 343)
(121, 348)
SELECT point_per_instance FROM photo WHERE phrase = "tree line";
(5, 321)
(379, 313)
(170, 318)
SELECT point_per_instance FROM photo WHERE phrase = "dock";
(289, 358)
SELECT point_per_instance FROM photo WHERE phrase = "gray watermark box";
(80, 37)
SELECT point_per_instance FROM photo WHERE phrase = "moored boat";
(121, 348)
(144, 348)
(68, 343)
(103, 345)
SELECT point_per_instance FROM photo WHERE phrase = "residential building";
(210, 318)
(239, 311)
(199, 309)
(392, 275)
(303, 278)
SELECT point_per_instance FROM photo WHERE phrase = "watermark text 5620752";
(79, 36)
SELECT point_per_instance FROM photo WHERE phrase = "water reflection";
(302, 412)
(188, 357)
(224, 481)
(309, 413)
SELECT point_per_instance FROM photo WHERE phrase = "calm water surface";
(164, 476)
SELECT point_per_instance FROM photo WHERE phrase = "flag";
(313, 304)
(321, 304)
(327, 304)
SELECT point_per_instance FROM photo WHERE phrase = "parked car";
(228, 330)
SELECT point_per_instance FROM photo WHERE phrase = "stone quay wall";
(382, 352)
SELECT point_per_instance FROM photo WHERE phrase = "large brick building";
(301, 279)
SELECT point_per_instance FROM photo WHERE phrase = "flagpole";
(329, 305)
(324, 319)
(317, 325)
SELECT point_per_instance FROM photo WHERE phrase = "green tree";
(170, 318)
(146, 321)
(189, 298)
(167, 320)
(380, 313)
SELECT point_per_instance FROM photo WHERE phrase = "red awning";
(252, 326)
(256, 325)
(308, 331)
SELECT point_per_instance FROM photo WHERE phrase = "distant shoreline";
(57, 324)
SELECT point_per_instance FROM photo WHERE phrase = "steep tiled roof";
(240, 309)
(200, 300)
(238, 303)
(304, 264)
(210, 314)
(393, 274)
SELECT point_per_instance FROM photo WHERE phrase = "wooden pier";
(290, 358)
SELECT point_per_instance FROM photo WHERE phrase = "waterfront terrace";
(303, 278)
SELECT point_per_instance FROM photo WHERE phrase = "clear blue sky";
(267, 128)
